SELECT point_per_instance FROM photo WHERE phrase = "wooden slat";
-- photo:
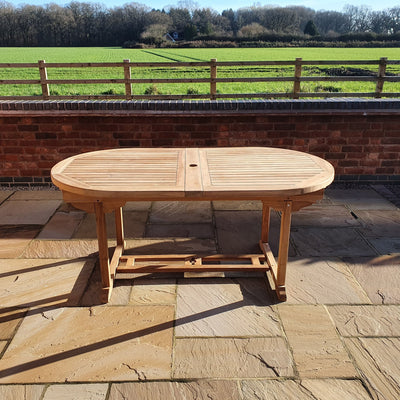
(167, 268)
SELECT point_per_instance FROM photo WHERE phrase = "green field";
(29, 55)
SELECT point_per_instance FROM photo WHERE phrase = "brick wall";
(361, 145)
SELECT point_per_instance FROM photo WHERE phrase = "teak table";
(103, 181)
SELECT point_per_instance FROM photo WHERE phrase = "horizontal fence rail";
(129, 82)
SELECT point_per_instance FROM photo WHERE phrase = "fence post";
(43, 80)
(297, 76)
(213, 77)
(127, 77)
(381, 77)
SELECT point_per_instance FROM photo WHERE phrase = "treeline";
(93, 24)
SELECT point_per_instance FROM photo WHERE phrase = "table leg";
(266, 216)
(104, 261)
(283, 250)
(119, 227)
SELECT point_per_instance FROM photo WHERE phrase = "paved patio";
(337, 336)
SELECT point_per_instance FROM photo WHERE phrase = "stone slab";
(21, 392)
(137, 206)
(366, 320)
(62, 225)
(176, 212)
(171, 246)
(103, 344)
(333, 242)
(150, 292)
(121, 293)
(14, 239)
(91, 391)
(3, 344)
(317, 281)
(307, 389)
(134, 225)
(378, 276)
(27, 212)
(380, 223)
(5, 194)
(196, 358)
(386, 245)
(199, 390)
(317, 350)
(237, 205)
(240, 232)
(180, 230)
(359, 199)
(215, 307)
(37, 195)
(10, 318)
(378, 361)
(63, 248)
(324, 216)
(41, 283)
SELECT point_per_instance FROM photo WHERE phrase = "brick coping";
(331, 105)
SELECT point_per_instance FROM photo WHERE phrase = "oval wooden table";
(103, 181)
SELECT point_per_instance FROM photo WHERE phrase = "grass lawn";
(107, 54)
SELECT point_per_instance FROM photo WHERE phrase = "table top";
(175, 173)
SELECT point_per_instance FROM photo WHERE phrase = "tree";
(311, 29)
(331, 22)
(252, 30)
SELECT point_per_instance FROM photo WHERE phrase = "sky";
(336, 5)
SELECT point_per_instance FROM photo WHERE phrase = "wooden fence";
(128, 80)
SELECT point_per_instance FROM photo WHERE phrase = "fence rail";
(129, 82)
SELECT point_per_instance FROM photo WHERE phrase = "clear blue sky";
(220, 5)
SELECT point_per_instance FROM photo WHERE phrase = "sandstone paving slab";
(332, 389)
(159, 291)
(62, 225)
(180, 230)
(3, 344)
(165, 212)
(10, 318)
(378, 276)
(5, 194)
(121, 293)
(87, 391)
(215, 307)
(328, 216)
(386, 245)
(97, 344)
(317, 281)
(63, 248)
(14, 239)
(380, 223)
(366, 320)
(240, 231)
(259, 357)
(21, 392)
(137, 206)
(37, 195)
(27, 212)
(359, 199)
(41, 283)
(332, 242)
(134, 225)
(237, 205)
(199, 390)
(317, 349)
(307, 389)
(378, 362)
(171, 246)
